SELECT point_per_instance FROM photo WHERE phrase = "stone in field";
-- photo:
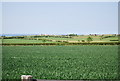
(26, 78)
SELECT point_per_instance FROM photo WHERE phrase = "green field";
(57, 38)
(24, 41)
(61, 62)
(76, 38)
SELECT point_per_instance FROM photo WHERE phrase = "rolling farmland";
(23, 41)
(61, 62)
(60, 57)
(59, 40)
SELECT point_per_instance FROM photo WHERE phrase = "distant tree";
(89, 39)
(43, 40)
(72, 34)
(83, 40)
(95, 34)
(90, 34)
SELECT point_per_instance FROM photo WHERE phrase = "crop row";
(60, 62)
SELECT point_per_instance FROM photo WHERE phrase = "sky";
(60, 0)
(0, 18)
(59, 17)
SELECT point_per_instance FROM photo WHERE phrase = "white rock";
(26, 78)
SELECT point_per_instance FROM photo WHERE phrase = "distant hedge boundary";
(85, 43)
